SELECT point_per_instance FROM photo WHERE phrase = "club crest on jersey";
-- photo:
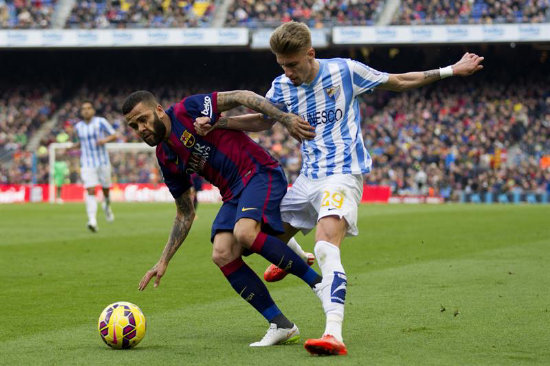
(187, 138)
(333, 92)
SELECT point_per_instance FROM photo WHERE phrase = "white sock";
(91, 208)
(293, 244)
(334, 278)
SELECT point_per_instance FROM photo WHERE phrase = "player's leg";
(259, 216)
(104, 175)
(90, 180)
(58, 185)
(248, 234)
(337, 202)
(226, 254)
(296, 211)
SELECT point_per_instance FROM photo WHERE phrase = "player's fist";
(468, 64)
(297, 127)
(203, 126)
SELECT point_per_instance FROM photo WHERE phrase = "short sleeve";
(202, 105)
(275, 96)
(365, 78)
(106, 127)
(177, 181)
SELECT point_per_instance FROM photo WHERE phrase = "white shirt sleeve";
(106, 127)
(365, 78)
(275, 96)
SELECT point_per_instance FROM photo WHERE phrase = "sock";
(334, 277)
(91, 208)
(278, 253)
(249, 286)
(293, 244)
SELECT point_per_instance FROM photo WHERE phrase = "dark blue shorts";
(259, 200)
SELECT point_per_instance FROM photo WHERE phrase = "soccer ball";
(121, 325)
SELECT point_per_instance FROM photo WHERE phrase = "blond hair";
(290, 38)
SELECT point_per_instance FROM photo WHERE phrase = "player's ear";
(159, 109)
(311, 52)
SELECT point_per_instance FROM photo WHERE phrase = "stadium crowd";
(315, 13)
(140, 14)
(22, 111)
(91, 14)
(485, 134)
(439, 140)
(472, 12)
(26, 14)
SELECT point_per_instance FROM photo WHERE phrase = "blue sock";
(278, 253)
(249, 286)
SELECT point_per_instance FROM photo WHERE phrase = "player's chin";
(151, 140)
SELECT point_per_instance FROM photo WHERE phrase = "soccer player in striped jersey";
(329, 188)
(251, 182)
(95, 168)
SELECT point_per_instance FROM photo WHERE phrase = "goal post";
(111, 147)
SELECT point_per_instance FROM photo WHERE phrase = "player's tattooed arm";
(469, 64)
(231, 99)
(182, 224)
(296, 126)
(247, 122)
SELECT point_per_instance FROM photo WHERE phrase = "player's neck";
(168, 124)
(88, 120)
(314, 72)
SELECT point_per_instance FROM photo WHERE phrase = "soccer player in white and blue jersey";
(329, 188)
(95, 168)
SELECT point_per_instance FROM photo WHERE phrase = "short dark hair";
(137, 97)
(87, 101)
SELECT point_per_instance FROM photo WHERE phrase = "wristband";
(445, 72)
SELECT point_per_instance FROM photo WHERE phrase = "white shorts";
(309, 200)
(91, 177)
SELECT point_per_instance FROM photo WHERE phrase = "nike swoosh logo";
(244, 209)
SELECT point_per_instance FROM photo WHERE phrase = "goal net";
(133, 168)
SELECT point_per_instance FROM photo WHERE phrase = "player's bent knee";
(245, 237)
(245, 232)
(222, 257)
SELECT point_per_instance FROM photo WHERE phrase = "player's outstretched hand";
(468, 64)
(203, 126)
(157, 271)
(298, 128)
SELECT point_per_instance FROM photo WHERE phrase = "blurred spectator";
(315, 13)
(472, 12)
(26, 14)
(91, 14)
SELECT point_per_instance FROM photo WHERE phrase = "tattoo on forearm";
(222, 122)
(181, 226)
(431, 73)
(228, 100)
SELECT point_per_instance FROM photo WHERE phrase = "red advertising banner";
(19, 193)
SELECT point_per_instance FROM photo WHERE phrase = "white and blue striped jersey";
(93, 155)
(329, 103)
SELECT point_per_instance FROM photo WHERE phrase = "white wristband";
(445, 72)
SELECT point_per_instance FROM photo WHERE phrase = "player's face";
(298, 67)
(147, 124)
(87, 111)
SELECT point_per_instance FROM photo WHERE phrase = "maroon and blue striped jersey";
(228, 159)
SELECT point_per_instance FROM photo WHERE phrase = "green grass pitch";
(428, 285)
